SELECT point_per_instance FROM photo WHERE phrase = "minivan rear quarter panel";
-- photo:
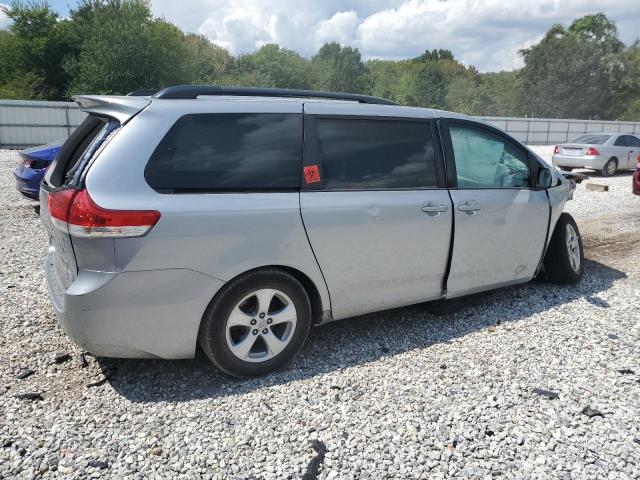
(218, 234)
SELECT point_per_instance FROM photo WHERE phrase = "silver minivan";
(236, 219)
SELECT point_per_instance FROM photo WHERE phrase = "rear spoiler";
(121, 108)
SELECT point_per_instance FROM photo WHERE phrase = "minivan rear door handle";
(434, 210)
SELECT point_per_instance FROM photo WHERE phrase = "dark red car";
(635, 185)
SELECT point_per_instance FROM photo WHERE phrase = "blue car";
(33, 163)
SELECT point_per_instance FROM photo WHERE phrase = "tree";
(273, 66)
(502, 90)
(122, 48)
(627, 86)
(384, 78)
(207, 63)
(435, 55)
(427, 87)
(599, 30)
(34, 47)
(569, 73)
(339, 69)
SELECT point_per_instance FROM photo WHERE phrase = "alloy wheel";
(261, 325)
(573, 247)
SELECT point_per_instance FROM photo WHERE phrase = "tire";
(257, 327)
(567, 169)
(564, 260)
(609, 168)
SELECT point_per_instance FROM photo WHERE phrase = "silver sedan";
(605, 152)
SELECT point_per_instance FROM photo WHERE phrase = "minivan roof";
(125, 107)
(185, 92)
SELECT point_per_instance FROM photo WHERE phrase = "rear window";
(359, 154)
(90, 149)
(84, 144)
(228, 152)
(592, 139)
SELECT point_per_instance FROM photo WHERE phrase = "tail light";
(34, 163)
(556, 150)
(58, 204)
(592, 151)
(75, 211)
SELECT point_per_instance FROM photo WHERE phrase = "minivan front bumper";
(582, 161)
(133, 314)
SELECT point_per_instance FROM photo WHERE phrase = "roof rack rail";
(144, 92)
(193, 91)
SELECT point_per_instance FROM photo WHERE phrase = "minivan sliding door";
(377, 221)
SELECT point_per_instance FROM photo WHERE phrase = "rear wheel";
(256, 324)
(609, 168)
(564, 260)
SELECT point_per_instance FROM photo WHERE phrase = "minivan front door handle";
(434, 210)
(469, 208)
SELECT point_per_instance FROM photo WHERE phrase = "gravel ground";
(420, 392)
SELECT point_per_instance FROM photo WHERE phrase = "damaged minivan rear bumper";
(132, 314)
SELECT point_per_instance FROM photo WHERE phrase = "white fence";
(549, 131)
(29, 123)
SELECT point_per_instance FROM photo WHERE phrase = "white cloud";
(4, 20)
(340, 28)
(485, 33)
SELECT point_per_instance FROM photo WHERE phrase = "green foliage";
(116, 46)
(627, 84)
(598, 30)
(273, 66)
(339, 69)
(207, 63)
(122, 48)
(425, 86)
(34, 48)
(576, 72)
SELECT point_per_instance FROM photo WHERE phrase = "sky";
(484, 33)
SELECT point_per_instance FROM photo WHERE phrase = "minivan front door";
(500, 221)
(377, 222)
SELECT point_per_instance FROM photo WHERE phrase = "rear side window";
(621, 141)
(359, 154)
(633, 141)
(228, 152)
(592, 139)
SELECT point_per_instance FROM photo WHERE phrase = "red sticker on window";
(312, 174)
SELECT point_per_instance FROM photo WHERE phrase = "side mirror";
(544, 178)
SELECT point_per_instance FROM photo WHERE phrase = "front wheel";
(564, 260)
(256, 324)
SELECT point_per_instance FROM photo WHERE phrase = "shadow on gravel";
(359, 340)
(593, 175)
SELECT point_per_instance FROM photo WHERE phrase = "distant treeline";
(116, 46)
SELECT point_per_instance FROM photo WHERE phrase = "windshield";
(592, 139)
